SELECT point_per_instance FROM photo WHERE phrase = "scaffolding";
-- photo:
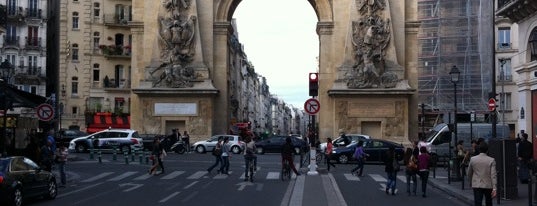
(454, 33)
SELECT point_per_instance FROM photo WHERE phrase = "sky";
(280, 40)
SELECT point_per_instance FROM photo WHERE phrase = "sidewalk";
(455, 189)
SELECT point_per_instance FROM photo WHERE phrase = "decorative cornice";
(174, 91)
(325, 28)
(221, 28)
(518, 10)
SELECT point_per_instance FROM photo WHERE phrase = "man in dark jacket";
(525, 153)
(287, 154)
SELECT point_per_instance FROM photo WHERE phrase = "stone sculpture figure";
(177, 45)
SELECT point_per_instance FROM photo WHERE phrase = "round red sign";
(492, 104)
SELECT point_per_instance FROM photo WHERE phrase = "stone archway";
(345, 28)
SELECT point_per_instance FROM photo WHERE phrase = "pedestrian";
(360, 157)
(61, 160)
(525, 153)
(287, 155)
(186, 140)
(217, 153)
(474, 147)
(328, 153)
(482, 176)
(156, 155)
(411, 170)
(52, 140)
(424, 160)
(460, 154)
(249, 156)
(224, 168)
(171, 139)
(47, 156)
(391, 168)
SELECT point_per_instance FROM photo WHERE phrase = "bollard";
(133, 153)
(140, 156)
(100, 156)
(114, 155)
(146, 154)
(91, 153)
(126, 157)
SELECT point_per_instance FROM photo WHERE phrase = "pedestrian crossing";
(197, 175)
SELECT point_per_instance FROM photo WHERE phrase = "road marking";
(273, 176)
(122, 176)
(143, 177)
(402, 178)
(79, 190)
(378, 178)
(190, 185)
(351, 177)
(169, 197)
(242, 185)
(220, 176)
(172, 175)
(132, 185)
(104, 174)
(383, 188)
(333, 195)
(197, 175)
(298, 191)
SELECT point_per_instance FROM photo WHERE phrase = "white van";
(438, 139)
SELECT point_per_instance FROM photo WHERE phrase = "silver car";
(236, 145)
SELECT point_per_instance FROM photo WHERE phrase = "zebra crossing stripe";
(122, 176)
(402, 178)
(351, 177)
(143, 177)
(273, 175)
(378, 178)
(197, 175)
(172, 175)
(220, 176)
(102, 175)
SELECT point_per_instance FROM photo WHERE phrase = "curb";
(452, 192)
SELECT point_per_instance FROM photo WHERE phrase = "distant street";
(186, 182)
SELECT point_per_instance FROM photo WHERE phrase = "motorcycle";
(178, 147)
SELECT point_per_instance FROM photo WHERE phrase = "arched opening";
(532, 45)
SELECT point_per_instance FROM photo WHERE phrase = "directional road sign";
(45, 112)
(312, 106)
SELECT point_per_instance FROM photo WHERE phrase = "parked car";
(376, 148)
(21, 178)
(338, 142)
(66, 135)
(236, 145)
(123, 139)
(275, 144)
(147, 140)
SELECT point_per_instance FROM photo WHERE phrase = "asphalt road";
(186, 182)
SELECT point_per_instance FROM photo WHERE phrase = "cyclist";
(287, 155)
(249, 156)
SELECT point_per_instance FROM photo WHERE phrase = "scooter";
(178, 147)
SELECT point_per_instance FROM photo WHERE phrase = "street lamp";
(455, 74)
(6, 70)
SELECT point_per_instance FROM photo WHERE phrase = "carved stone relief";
(176, 41)
(371, 35)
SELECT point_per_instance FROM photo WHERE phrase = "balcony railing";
(117, 84)
(115, 50)
(117, 20)
(33, 43)
(504, 45)
(28, 70)
(505, 78)
(33, 13)
(11, 41)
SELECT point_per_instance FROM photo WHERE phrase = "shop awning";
(104, 120)
(19, 98)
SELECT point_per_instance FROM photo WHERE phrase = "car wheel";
(179, 150)
(236, 150)
(200, 149)
(343, 159)
(125, 148)
(260, 150)
(52, 190)
(17, 197)
(297, 150)
(80, 148)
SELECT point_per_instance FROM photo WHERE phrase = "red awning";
(102, 121)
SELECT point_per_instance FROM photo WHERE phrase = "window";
(74, 110)
(74, 86)
(504, 72)
(96, 40)
(533, 45)
(33, 32)
(75, 52)
(75, 20)
(118, 75)
(11, 35)
(11, 7)
(504, 37)
(32, 8)
(96, 73)
(96, 9)
(505, 100)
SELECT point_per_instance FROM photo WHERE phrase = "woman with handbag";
(217, 153)
(156, 156)
(411, 171)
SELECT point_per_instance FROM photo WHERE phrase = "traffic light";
(314, 84)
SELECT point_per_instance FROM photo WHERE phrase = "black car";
(66, 135)
(275, 143)
(21, 178)
(376, 148)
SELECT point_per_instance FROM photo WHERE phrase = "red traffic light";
(314, 77)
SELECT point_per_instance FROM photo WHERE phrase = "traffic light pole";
(313, 149)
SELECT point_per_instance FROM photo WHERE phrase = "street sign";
(312, 106)
(492, 104)
(45, 112)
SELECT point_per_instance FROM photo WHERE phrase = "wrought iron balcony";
(28, 70)
(33, 13)
(12, 41)
(516, 10)
(117, 20)
(33, 43)
(504, 45)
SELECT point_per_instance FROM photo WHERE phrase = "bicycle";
(286, 171)
(251, 170)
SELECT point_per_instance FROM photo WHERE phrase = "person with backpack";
(217, 153)
(249, 156)
(287, 155)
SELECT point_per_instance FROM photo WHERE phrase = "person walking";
(249, 156)
(186, 140)
(217, 153)
(360, 156)
(391, 168)
(224, 167)
(328, 152)
(47, 156)
(287, 155)
(157, 155)
(424, 160)
(411, 171)
(482, 176)
(61, 157)
(525, 153)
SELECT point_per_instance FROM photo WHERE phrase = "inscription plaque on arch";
(381, 109)
(176, 109)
